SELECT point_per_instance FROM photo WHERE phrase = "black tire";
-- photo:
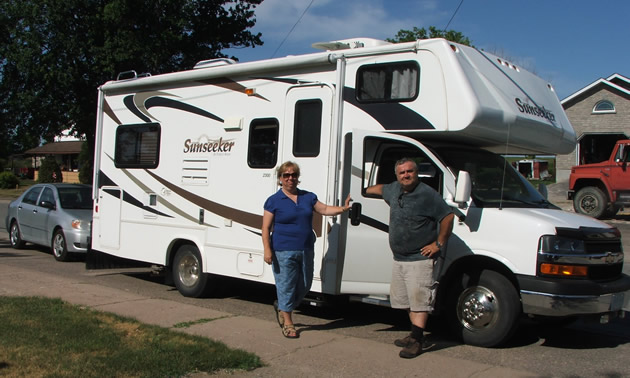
(58, 246)
(590, 201)
(188, 275)
(15, 235)
(483, 308)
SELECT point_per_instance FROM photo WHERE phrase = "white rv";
(185, 160)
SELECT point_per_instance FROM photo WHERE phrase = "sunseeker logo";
(204, 144)
(534, 110)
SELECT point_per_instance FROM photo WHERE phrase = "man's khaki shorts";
(413, 286)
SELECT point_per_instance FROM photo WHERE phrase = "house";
(600, 115)
(65, 152)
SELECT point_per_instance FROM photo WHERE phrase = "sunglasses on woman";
(287, 175)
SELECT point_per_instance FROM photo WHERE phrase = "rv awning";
(57, 148)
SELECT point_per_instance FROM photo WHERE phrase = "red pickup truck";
(601, 189)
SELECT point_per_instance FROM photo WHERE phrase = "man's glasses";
(287, 175)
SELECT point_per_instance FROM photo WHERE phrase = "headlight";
(76, 223)
(561, 245)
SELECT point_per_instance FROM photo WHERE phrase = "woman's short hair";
(284, 167)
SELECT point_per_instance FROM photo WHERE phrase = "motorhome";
(184, 162)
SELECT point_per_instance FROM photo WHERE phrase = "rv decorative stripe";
(242, 217)
(391, 115)
(230, 85)
(168, 103)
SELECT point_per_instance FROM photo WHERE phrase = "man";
(416, 210)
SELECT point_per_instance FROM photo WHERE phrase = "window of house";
(388, 82)
(263, 143)
(604, 106)
(137, 146)
(307, 128)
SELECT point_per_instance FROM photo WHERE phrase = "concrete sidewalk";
(315, 353)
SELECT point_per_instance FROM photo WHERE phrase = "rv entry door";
(368, 258)
(306, 140)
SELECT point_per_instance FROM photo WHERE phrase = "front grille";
(602, 246)
(604, 272)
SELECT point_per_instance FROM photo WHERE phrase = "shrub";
(86, 158)
(49, 171)
(8, 180)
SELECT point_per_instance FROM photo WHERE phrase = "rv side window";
(263, 143)
(307, 128)
(137, 146)
(388, 82)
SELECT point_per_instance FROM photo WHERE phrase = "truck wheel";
(188, 274)
(484, 308)
(16, 236)
(590, 201)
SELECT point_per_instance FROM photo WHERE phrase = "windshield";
(76, 198)
(495, 183)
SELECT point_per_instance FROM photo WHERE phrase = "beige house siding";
(584, 121)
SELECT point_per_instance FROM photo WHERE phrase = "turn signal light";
(564, 270)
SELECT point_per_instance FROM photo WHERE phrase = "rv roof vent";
(214, 63)
(352, 43)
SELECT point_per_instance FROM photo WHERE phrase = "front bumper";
(78, 241)
(563, 297)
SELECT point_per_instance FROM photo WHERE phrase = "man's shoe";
(413, 349)
(404, 341)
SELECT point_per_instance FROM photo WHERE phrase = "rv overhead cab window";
(388, 82)
(137, 146)
(263, 143)
(307, 128)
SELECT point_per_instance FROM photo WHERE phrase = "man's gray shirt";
(413, 219)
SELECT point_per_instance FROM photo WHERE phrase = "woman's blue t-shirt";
(292, 223)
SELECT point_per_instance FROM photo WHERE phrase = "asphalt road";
(585, 348)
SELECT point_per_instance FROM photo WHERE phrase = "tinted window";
(76, 197)
(137, 146)
(388, 82)
(31, 196)
(263, 143)
(307, 128)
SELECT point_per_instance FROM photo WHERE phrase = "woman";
(289, 214)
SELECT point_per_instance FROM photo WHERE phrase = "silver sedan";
(54, 215)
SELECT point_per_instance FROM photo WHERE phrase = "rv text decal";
(534, 110)
(209, 145)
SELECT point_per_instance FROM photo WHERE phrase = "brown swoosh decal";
(230, 85)
(108, 110)
(242, 217)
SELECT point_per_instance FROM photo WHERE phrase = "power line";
(294, 25)
(453, 16)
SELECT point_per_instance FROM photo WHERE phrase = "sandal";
(289, 331)
(278, 314)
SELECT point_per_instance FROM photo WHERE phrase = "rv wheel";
(188, 274)
(484, 308)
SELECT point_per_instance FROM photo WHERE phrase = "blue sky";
(569, 43)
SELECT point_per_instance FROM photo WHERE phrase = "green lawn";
(41, 337)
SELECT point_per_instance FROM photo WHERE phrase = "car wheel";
(590, 201)
(58, 246)
(188, 274)
(484, 308)
(16, 236)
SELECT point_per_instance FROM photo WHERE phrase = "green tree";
(55, 53)
(415, 34)
(49, 171)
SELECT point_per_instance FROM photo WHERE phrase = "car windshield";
(75, 198)
(495, 183)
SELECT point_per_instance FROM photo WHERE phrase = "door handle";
(355, 214)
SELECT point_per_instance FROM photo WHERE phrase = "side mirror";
(463, 188)
(542, 188)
